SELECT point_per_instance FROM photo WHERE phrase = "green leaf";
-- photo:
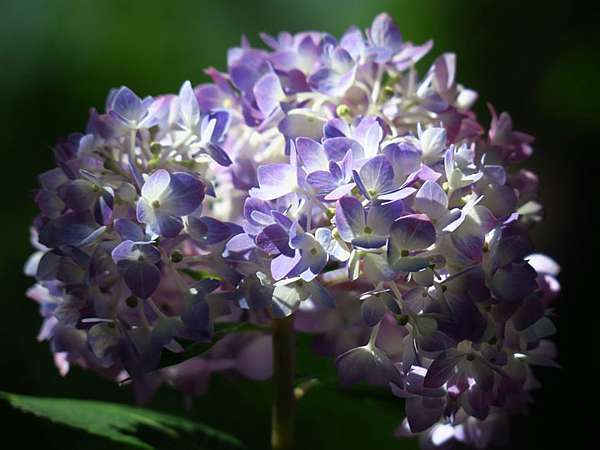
(193, 349)
(119, 423)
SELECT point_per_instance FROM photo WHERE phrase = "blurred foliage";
(328, 416)
(538, 60)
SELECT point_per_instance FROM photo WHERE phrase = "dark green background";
(538, 60)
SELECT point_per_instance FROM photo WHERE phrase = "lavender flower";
(166, 198)
(129, 110)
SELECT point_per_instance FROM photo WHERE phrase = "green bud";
(176, 256)
(155, 148)
(343, 110)
(111, 164)
(388, 92)
(402, 319)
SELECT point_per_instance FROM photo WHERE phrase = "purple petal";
(404, 157)
(385, 34)
(397, 195)
(341, 60)
(52, 179)
(336, 128)
(338, 147)
(166, 225)
(286, 299)
(50, 203)
(282, 265)
(103, 209)
(477, 402)
(184, 195)
(127, 105)
(369, 134)
(211, 231)
(366, 240)
(312, 154)
(240, 243)
(377, 269)
(217, 153)
(69, 229)
(80, 195)
(433, 143)
(210, 97)
(513, 282)
(156, 184)
(327, 81)
(455, 220)
(364, 363)
(187, 102)
(129, 230)
(543, 264)
(218, 122)
(350, 218)
(274, 240)
(135, 251)
(410, 54)
(302, 122)
(500, 200)
(376, 177)
(141, 277)
(257, 212)
(339, 192)
(444, 71)
(268, 93)
(123, 251)
(373, 310)
(314, 259)
(441, 369)
(420, 417)
(381, 216)
(275, 180)
(412, 232)
(323, 182)
(431, 200)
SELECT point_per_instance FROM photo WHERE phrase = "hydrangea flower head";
(320, 177)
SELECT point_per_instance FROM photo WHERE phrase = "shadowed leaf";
(119, 423)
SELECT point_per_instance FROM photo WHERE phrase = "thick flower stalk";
(323, 178)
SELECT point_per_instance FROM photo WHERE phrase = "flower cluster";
(323, 178)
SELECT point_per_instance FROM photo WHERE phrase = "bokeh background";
(538, 60)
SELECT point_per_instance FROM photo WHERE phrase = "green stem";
(284, 406)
